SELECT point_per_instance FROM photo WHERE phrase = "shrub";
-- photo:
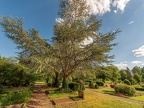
(125, 89)
(76, 86)
(63, 90)
(100, 83)
(126, 81)
(91, 85)
(139, 89)
(96, 86)
(1, 89)
(16, 97)
(133, 81)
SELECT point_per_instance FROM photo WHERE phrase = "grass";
(93, 101)
(62, 95)
(105, 90)
(139, 98)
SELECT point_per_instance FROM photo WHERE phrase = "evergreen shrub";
(125, 89)
(100, 83)
(126, 81)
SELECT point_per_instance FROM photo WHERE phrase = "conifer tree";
(76, 44)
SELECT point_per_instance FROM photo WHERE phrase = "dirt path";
(116, 97)
(39, 99)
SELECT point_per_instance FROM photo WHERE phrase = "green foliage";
(126, 81)
(67, 52)
(100, 83)
(123, 74)
(15, 98)
(74, 86)
(1, 89)
(137, 70)
(137, 77)
(133, 81)
(91, 85)
(129, 74)
(114, 73)
(125, 89)
(15, 74)
(139, 88)
(96, 86)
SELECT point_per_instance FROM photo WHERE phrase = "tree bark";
(64, 83)
(56, 80)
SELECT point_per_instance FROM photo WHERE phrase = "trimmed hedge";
(139, 89)
(125, 89)
(100, 83)
(73, 86)
(76, 86)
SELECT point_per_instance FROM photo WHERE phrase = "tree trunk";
(64, 83)
(56, 80)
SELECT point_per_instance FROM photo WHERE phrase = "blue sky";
(126, 15)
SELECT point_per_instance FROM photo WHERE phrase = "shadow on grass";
(76, 98)
(108, 92)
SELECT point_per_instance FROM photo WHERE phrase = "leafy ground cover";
(15, 97)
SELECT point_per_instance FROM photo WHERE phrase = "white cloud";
(131, 22)
(136, 62)
(139, 52)
(59, 20)
(122, 65)
(103, 6)
(120, 4)
(87, 41)
(98, 6)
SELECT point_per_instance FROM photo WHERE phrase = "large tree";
(137, 70)
(71, 48)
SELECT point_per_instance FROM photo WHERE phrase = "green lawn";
(93, 101)
(139, 98)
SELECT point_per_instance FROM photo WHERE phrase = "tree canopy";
(71, 48)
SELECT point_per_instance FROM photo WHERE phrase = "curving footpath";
(39, 99)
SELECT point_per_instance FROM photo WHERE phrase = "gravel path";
(39, 99)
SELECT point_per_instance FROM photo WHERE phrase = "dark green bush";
(91, 85)
(16, 97)
(100, 83)
(76, 86)
(139, 89)
(63, 90)
(96, 86)
(125, 89)
(126, 81)
(1, 89)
